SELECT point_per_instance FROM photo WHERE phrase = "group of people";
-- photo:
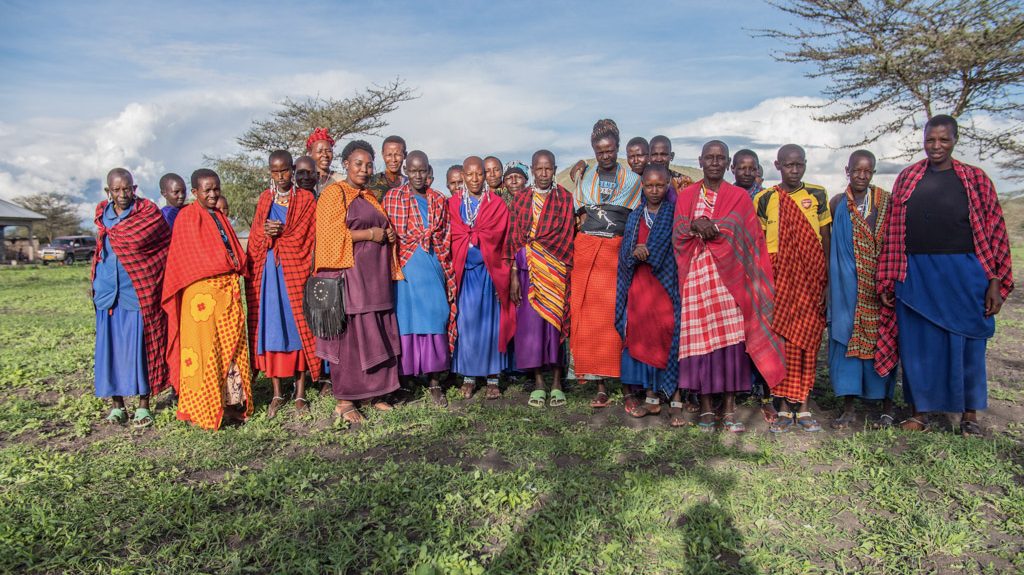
(688, 293)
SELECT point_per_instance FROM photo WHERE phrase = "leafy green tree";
(61, 214)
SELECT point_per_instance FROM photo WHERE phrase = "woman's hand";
(515, 290)
(993, 301)
(704, 228)
(273, 228)
(389, 235)
(640, 252)
(887, 298)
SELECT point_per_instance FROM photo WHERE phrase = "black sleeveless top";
(938, 216)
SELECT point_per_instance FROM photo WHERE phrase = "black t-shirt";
(938, 217)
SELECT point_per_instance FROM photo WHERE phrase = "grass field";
(484, 487)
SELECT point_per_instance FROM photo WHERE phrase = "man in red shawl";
(279, 251)
(208, 348)
(127, 270)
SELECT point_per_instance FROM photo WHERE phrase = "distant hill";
(1013, 213)
(562, 177)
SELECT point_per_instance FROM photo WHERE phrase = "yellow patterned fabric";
(333, 238)
(549, 277)
(214, 351)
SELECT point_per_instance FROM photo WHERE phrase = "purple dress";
(364, 359)
(538, 343)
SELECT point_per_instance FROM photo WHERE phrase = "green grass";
(482, 488)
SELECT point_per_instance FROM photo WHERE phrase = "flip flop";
(844, 420)
(468, 389)
(885, 421)
(807, 422)
(646, 408)
(704, 426)
(970, 428)
(676, 410)
(768, 411)
(783, 423)
(630, 403)
(913, 424)
(493, 391)
(600, 400)
(729, 424)
(557, 398)
(345, 416)
(537, 398)
(302, 410)
(275, 404)
(118, 416)
(143, 418)
(441, 400)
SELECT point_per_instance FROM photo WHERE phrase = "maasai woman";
(647, 296)
(857, 218)
(355, 241)
(943, 275)
(127, 270)
(726, 289)
(796, 222)
(172, 188)
(486, 318)
(424, 298)
(208, 351)
(279, 251)
(320, 145)
(539, 248)
(494, 178)
(604, 196)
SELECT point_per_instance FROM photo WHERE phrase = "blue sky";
(156, 86)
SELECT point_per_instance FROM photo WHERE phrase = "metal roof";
(15, 215)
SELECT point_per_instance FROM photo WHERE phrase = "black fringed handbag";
(323, 303)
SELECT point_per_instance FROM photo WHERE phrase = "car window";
(59, 242)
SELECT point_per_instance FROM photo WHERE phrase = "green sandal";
(557, 398)
(118, 416)
(143, 418)
(706, 427)
(537, 398)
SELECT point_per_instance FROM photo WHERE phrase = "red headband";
(317, 135)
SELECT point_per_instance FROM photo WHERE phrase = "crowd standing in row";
(678, 289)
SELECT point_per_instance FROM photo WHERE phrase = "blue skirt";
(421, 299)
(636, 372)
(276, 329)
(943, 332)
(857, 377)
(479, 321)
(120, 353)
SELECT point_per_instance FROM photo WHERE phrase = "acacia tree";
(914, 59)
(60, 211)
(243, 175)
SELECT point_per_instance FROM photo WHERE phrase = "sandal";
(768, 411)
(845, 419)
(630, 403)
(600, 400)
(303, 409)
(350, 416)
(439, 400)
(468, 388)
(493, 391)
(382, 406)
(807, 422)
(729, 424)
(275, 404)
(782, 423)
(650, 406)
(143, 418)
(675, 408)
(692, 407)
(557, 398)
(118, 416)
(913, 424)
(538, 398)
(707, 427)
(885, 421)
(970, 428)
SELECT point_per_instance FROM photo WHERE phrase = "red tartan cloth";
(800, 278)
(991, 245)
(293, 250)
(407, 222)
(741, 256)
(197, 252)
(650, 316)
(140, 242)
(555, 229)
(489, 234)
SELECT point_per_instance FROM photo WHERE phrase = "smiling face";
(492, 172)
(358, 168)
(208, 192)
(305, 173)
(394, 156)
(714, 160)
(121, 191)
(281, 173)
(174, 192)
(473, 175)
(606, 152)
(637, 156)
(938, 144)
(323, 155)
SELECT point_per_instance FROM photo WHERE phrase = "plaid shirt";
(555, 229)
(991, 245)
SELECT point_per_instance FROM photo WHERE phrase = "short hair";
(281, 155)
(720, 143)
(786, 149)
(745, 153)
(120, 173)
(605, 128)
(638, 141)
(306, 159)
(202, 174)
(357, 145)
(495, 158)
(862, 154)
(661, 139)
(451, 169)
(547, 153)
(657, 168)
(943, 120)
(394, 140)
(420, 154)
(166, 179)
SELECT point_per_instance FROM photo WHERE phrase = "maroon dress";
(364, 359)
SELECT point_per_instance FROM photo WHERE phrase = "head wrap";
(317, 135)
(516, 167)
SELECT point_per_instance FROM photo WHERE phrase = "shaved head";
(661, 141)
(790, 149)
(122, 174)
(714, 143)
(305, 162)
(472, 161)
(420, 155)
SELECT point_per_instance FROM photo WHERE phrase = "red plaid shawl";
(489, 234)
(556, 227)
(800, 278)
(140, 242)
(196, 253)
(741, 257)
(293, 250)
(406, 219)
(991, 245)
